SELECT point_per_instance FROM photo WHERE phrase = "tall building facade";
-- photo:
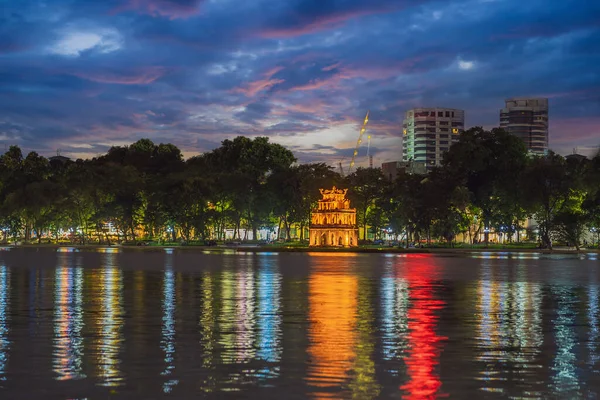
(393, 169)
(528, 120)
(427, 134)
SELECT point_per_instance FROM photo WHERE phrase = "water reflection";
(594, 332)
(273, 326)
(364, 384)
(394, 321)
(525, 330)
(110, 322)
(565, 379)
(207, 328)
(332, 316)
(235, 319)
(244, 347)
(509, 333)
(68, 322)
(4, 319)
(425, 344)
(227, 317)
(490, 333)
(35, 292)
(167, 343)
(237, 322)
(269, 317)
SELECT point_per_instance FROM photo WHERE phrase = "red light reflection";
(425, 344)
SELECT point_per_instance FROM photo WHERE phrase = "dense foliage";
(487, 183)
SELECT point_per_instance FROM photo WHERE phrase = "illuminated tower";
(333, 223)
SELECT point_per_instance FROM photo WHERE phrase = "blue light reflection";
(565, 380)
(4, 319)
(167, 343)
(394, 324)
(269, 317)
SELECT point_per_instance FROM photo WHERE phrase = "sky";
(79, 76)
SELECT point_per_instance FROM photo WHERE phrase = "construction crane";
(341, 168)
(369, 155)
(359, 141)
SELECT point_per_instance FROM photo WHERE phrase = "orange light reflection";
(332, 315)
(331, 254)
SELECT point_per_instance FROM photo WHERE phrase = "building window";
(432, 114)
(440, 113)
(452, 114)
(447, 114)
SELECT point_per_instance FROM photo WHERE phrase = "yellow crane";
(359, 141)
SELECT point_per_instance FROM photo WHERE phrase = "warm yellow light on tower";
(333, 223)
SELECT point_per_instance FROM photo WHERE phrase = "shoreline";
(392, 250)
(283, 249)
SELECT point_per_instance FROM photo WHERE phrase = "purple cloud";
(83, 75)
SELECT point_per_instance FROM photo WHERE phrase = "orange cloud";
(260, 85)
(327, 22)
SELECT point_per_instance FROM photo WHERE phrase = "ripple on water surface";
(183, 324)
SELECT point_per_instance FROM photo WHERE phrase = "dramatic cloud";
(167, 8)
(80, 75)
(125, 77)
(302, 17)
(74, 41)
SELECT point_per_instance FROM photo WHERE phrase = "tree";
(295, 192)
(552, 188)
(246, 165)
(366, 185)
(124, 185)
(569, 226)
(486, 180)
(376, 220)
(451, 215)
(489, 163)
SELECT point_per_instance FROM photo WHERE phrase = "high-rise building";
(429, 132)
(528, 120)
(392, 169)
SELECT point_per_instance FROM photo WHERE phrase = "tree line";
(487, 183)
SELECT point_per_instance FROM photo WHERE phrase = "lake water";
(180, 324)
